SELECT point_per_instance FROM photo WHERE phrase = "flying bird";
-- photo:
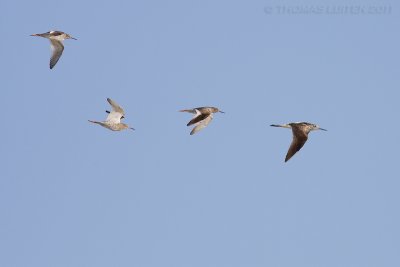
(56, 40)
(113, 120)
(202, 117)
(300, 135)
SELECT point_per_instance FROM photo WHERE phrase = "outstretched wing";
(114, 117)
(188, 110)
(202, 123)
(299, 139)
(57, 49)
(197, 117)
(117, 112)
(115, 106)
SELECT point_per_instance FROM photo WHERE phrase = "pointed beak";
(323, 129)
(73, 38)
(132, 129)
(221, 111)
(35, 34)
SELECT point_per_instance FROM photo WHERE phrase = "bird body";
(56, 40)
(112, 126)
(202, 110)
(300, 132)
(202, 117)
(113, 120)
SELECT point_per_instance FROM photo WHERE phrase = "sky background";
(76, 194)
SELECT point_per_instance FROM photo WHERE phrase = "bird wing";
(107, 111)
(57, 49)
(197, 117)
(188, 110)
(196, 112)
(117, 112)
(202, 124)
(114, 117)
(299, 139)
(115, 106)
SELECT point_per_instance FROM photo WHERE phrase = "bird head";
(215, 110)
(316, 127)
(126, 126)
(67, 36)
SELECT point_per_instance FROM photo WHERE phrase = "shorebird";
(113, 120)
(300, 135)
(202, 117)
(56, 39)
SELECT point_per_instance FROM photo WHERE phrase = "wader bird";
(300, 135)
(202, 117)
(113, 121)
(56, 39)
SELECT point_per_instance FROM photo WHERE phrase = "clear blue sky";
(76, 194)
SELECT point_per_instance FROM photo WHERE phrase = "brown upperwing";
(197, 119)
(299, 139)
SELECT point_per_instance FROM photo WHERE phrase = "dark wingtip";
(190, 123)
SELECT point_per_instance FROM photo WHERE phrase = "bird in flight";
(113, 120)
(300, 132)
(56, 40)
(202, 117)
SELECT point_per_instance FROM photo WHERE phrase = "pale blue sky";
(76, 194)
